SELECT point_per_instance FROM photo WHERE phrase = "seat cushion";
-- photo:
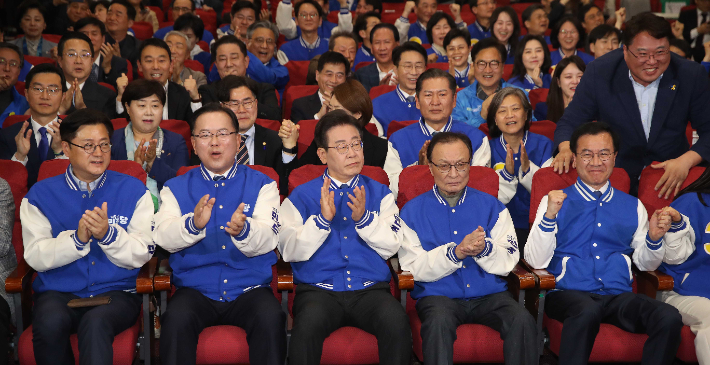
(350, 345)
(223, 345)
(686, 351)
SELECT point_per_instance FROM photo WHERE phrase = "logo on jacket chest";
(118, 219)
(246, 208)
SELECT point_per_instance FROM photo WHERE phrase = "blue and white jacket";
(687, 257)
(468, 105)
(539, 150)
(462, 77)
(18, 106)
(339, 255)
(591, 243)
(363, 54)
(557, 55)
(50, 215)
(526, 82)
(299, 50)
(394, 106)
(287, 25)
(210, 260)
(478, 33)
(407, 142)
(432, 230)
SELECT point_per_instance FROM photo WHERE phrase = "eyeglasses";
(185, 10)
(343, 148)
(308, 16)
(644, 56)
(268, 41)
(73, 55)
(222, 135)
(242, 18)
(13, 63)
(36, 90)
(486, 3)
(481, 65)
(604, 156)
(247, 104)
(444, 168)
(90, 148)
(417, 67)
(567, 32)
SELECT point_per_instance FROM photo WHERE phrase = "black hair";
(333, 58)
(45, 68)
(143, 88)
(489, 43)
(436, 18)
(554, 37)
(244, 4)
(416, 2)
(74, 35)
(154, 42)
(555, 98)
(15, 49)
(94, 4)
(497, 100)
(408, 46)
(376, 5)
(319, 9)
(527, 13)
(699, 186)
(331, 120)
(683, 46)
(213, 108)
(90, 20)
(192, 21)
(231, 82)
(456, 33)
(29, 5)
(389, 26)
(361, 23)
(335, 36)
(192, 5)
(602, 31)
(446, 138)
(227, 39)
(592, 129)
(584, 9)
(513, 40)
(71, 124)
(519, 67)
(130, 10)
(435, 73)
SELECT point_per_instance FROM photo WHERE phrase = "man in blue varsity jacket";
(458, 269)
(588, 235)
(310, 43)
(435, 97)
(338, 230)
(86, 232)
(220, 222)
(362, 28)
(481, 28)
(409, 62)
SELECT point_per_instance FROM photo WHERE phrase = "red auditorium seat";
(209, 18)
(537, 95)
(362, 64)
(440, 65)
(307, 173)
(109, 86)
(142, 30)
(416, 180)
(293, 93)
(647, 182)
(158, 13)
(305, 135)
(274, 125)
(507, 71)
(13, 119)
(54, 38)
(381, 89)
(297, 71)
(195, 65)
(204, 46)
(16, 176)
(397, 125)
(35, 60)
(20, 87)
(689, 133)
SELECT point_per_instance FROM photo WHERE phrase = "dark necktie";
(94, 75)
(243, 154)
(344, 186)
(218, 178)
(43, 147)
(597, 194)
(701, 37)
(410, 99)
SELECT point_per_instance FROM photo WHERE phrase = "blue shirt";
(442, 57)
(468, 105)
(18, 106)
(646, 99)
(462, 77)
(417, 32)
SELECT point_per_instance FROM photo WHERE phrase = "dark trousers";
(53, 322)
(257, 312)
(5, 320)
(318, 312)
(582, 313)
(441, 316)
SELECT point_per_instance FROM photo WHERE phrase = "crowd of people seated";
(219, 86)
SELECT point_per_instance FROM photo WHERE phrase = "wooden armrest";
(545, 280)
(162, 279)
(404, 279)
(284, 275)
(19, 278)
(522, 277)
(144, 281)
(650, 283)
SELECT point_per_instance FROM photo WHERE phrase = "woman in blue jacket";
(531, 68)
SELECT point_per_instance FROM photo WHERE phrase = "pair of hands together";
(93, 223)
(203, 212)
(22, 139)
(356, 203)
(146, 154)
(471, 245)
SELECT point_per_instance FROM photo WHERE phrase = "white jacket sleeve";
(526, 179)
(284, 20)
(482, 156)
(379, 230)
(345, 22)
(174, 231)
(507, 186)
(501, 253)
(260, 233)
(648, 255)
(426, 266)
(393, 167)
(680, 242)
(43, 251)
(542, 240)
(402, 25)
(132, 247)
(300, 239)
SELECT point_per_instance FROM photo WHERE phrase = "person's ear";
(454, 105)
(591, 48)
(362, 34)
(246, 60)
(130, 23)
(323, 156)
(65, 148)
(527, 24)
(416, 100)
(358, 115)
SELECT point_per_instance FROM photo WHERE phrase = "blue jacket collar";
(588, 195)
(443, 201)
(353, 183)
(503, 142)
(229, 174)
(71, 180)
(425, 130)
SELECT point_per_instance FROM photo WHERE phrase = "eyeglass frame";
(487, 64)
(306, 16)
(237, 103)
(36, 90)
(86, 147)
(344, 147)
(464, 166)
(221, 135)
(646, 58)
(598, 154)
(4, 61)
(71, 55)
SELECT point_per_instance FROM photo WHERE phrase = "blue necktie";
(410, 99)
(218, 178)
(598, 194)
(43, 147)
(344, 186)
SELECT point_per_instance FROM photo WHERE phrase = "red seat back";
(649, 179)
(204, 46)
(307, 173)
(158, 12)
(54, 38)
(689, 134)
(20, 87)
(297, 71)
(293, 93)
(306, 135)
(14, 119)
(381, 89)
(274, 125)
(370, 127)
(546, 180)
(51, 168)
(268, 171)
(484, 128)
(507, 71)
(108, 86)
(16, 176)
(440, 65)
(195, 65)
(129, 71)
(209, 18)
(537, 95)
(180, 127)
(119, 123)
(362, 64)
(36, 60)
(142, 30)
(545, 128)
(416, 180)
(396, 125)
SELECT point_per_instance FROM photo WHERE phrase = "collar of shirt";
(463, 73)
(421, 25)
(81, 86)
(482, 94)
(365, 50)
(195, 51)
(320, 96)
(335, 184)
(403, 95)
(428, 130)
(603, 189)
(530, 80)
(313, 45)
(83, 186)
(440, 51)
(479, 26)
(36, 126)
(250, 132)
(443, 201)
(382, 74)
(562, 53)
(653, 85)
(97, 61)
(209, 175)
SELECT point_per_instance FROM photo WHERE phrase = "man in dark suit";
(647, 95)
(332, 70)
(156, 64)
(37, 139)
(696, 27)
(229, 55)
(106, 66)
(384, 38)
(75, 58)
(118, 20)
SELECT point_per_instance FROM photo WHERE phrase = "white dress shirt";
(38, 136)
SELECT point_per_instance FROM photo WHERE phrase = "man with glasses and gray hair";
(263, 66)
(180, 52)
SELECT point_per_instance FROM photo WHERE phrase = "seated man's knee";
(667, 317)
(439, 319)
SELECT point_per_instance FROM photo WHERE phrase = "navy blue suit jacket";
(8, 147)
(606, 94)
(174, 156)
(368, 76)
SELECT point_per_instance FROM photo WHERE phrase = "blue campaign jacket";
(462, 77)
(63, 204)
(478, 33)
(18, 106)
(690, 277)
(556, 57)
(522, 82)
(160, 34)
(539, 149)
(214, 265)
(434, 222)
(417, 32)
(394, 106)
(442, 58)
(174, 155)
(468, 105)
(363, 54)
(296, 49)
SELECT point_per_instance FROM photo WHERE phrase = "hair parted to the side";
(331, 120)
(71, 124)
(446, 138)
